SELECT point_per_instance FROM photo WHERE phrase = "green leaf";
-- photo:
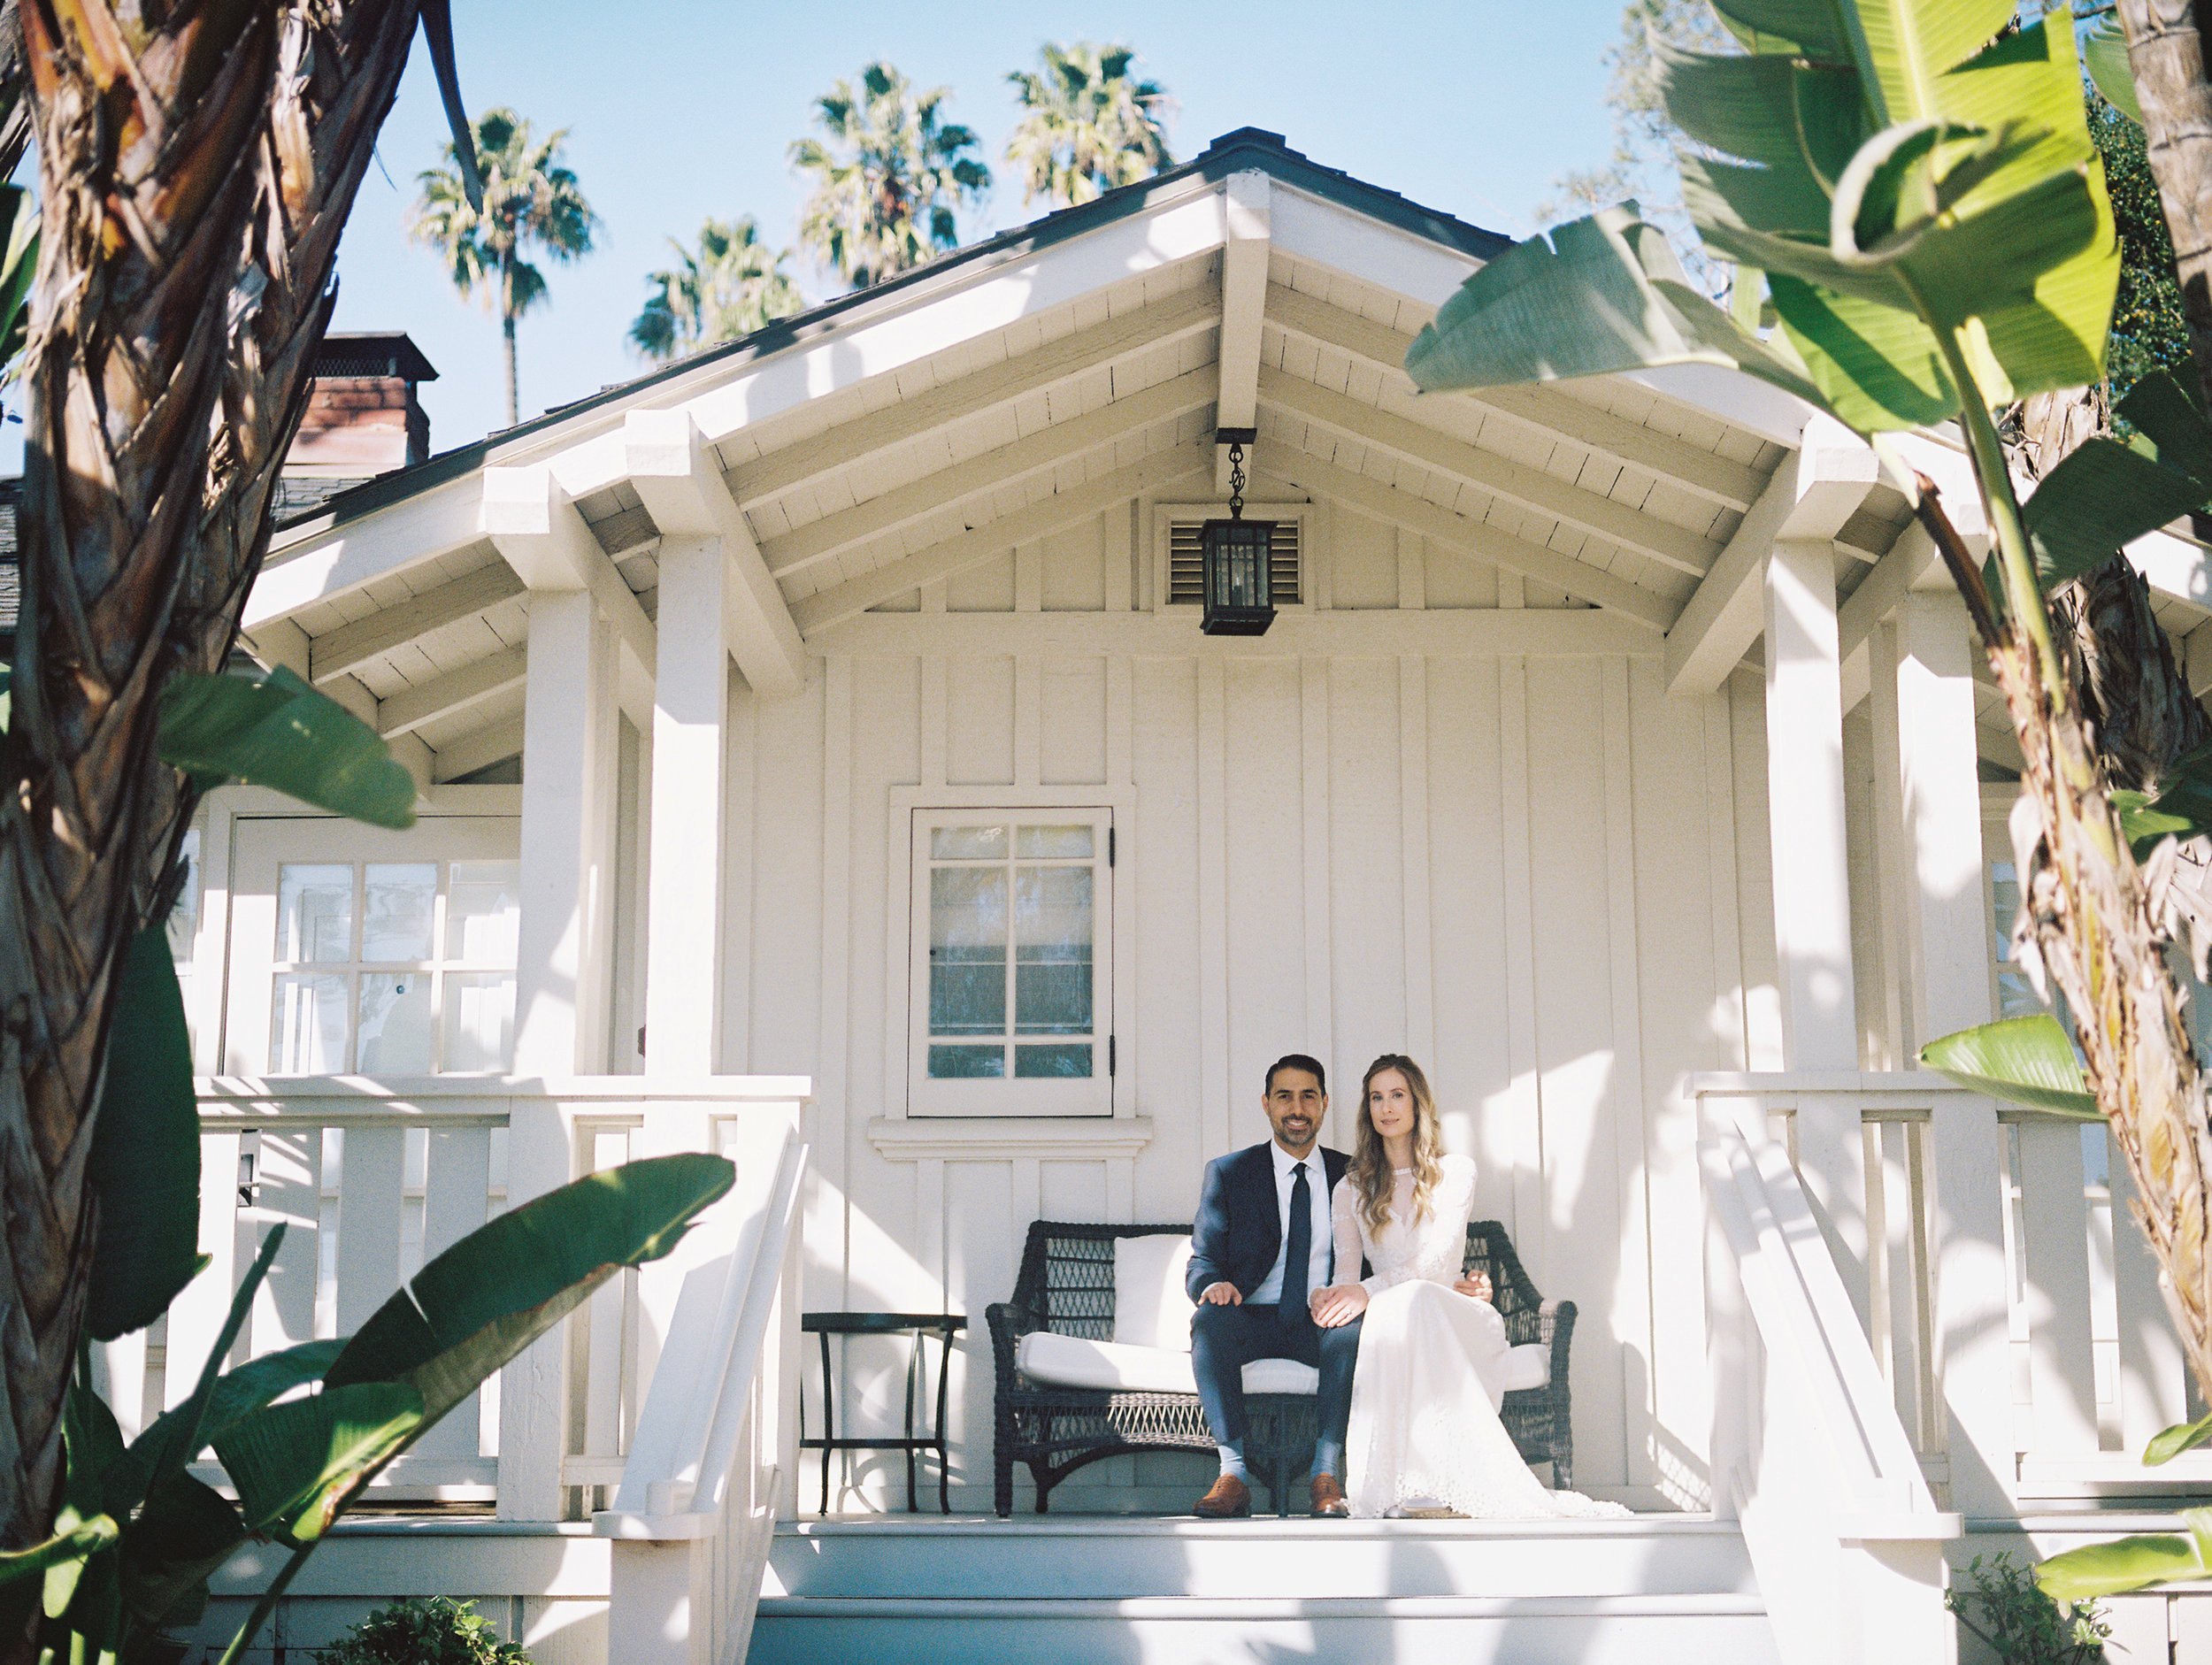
(487, 1297)
(260, 1381)
(18, 267)
(75, 1542)
(2102, 497)
(145, 1166)
(2021, 1060)
(1877, 369)
(2144, 824)
(178, 1435)
(186, 1530)
(1813, 25)
(2169, 1443)
(275, 730)
(1904, 46)
(297, 1464)
(2126, 1564)
(2104, 53)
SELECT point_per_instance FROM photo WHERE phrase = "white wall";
(1535, 873)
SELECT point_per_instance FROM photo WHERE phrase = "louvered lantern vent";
(1186, 566)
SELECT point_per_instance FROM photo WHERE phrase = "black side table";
(921, 1326)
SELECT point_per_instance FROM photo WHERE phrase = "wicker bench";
(1066, 1284)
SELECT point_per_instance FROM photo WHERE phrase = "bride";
(1425, 1439)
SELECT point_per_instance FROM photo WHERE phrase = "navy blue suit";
(1236, 1239)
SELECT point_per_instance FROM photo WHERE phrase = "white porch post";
(1812, 881)
(1947, 948)
(683, 933)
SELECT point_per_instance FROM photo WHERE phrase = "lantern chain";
(1236, 480)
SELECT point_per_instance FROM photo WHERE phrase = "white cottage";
(1617, 748)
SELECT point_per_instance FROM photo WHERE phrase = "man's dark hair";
(1296, 1061)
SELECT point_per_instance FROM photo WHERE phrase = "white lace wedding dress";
(1425, 1432)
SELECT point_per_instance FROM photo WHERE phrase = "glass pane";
(184, 919)
(1052, 950)
(315, 911)
(967, 843)
(958, 1063)
(1056, 1062)
(307, 1024)
(483, 911)
(1062, 843)
(479, 1020)
(397, 898)
(394, 1022)
(967, 951)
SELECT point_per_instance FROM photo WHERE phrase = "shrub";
(2008, 1609)
(436, 1631)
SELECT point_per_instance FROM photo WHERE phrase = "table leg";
(829, 1419)
(944, 1376)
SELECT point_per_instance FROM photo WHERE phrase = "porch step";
(1645, 1592)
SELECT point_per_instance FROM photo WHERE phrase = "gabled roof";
(1245, 148)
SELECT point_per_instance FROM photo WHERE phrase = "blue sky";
(678, 108)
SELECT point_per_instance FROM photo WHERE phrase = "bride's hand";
(1337, 1305)
(1476, 1283)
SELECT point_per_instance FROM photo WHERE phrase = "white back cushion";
(1150, 1308)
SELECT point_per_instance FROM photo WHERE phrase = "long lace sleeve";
(1344, 1232)
(1434, 1250)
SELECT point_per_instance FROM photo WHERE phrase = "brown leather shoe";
(1228, 1499)
(1328, 1498)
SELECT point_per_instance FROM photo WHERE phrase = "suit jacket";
(1239, 1223)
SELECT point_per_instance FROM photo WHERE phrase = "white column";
(683, 931)
(1948, 949)
(1812, 885)
(568, 766)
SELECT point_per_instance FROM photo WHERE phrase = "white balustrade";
(372, 1178)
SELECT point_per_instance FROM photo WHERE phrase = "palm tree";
(731, 286)
(888, 177)
(531, 201)
(1090, 124)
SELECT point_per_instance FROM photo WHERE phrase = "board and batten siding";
(1536, 872)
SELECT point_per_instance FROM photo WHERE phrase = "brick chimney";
(363, 418)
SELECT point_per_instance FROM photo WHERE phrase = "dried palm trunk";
(197, 163)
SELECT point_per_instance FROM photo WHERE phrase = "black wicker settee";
(1066, 1284)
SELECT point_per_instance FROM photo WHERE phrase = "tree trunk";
(514, 395)
(196, 172)
(2166, 58)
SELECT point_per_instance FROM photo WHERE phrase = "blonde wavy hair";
(1370, 1169)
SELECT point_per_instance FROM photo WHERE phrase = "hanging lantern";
(1237, 557)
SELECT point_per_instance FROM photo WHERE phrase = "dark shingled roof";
(1245, 148)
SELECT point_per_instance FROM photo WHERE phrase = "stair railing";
(1844, 1535)
(694, 1514)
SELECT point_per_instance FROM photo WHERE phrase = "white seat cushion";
(1528, 1365)
(1058, 1360)
(1150, 1308)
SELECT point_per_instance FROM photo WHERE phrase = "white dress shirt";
(1322, 1253)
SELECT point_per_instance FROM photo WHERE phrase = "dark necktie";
(1298, 1256)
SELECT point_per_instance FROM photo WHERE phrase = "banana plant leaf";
(2020, 1059)
(296, 1464)
(185, 1531)
(2107, 492)
(18, 266)
(491, 1294)
(2104, 53)
(2169, 1443)
(2131, 1563)
(145, 1166)
(273, 730)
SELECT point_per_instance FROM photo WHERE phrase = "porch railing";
(2095, 1367)
(373, 1177)
(1839, 1520)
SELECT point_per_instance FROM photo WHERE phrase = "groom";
(1260, 1246)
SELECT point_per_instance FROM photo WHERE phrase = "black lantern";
(1239, 580)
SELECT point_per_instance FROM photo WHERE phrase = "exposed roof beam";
(1719, 480)
(969, 549)
(679, 480)
(348, 647)
(1466, 537)
(472, 752)
(1192, 313)
(535, 526)
(433, 522)
(1245, 242)
(1047, 448)
(1676, 546)
(1910, 564)
(1813, 492)
(456, 691)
